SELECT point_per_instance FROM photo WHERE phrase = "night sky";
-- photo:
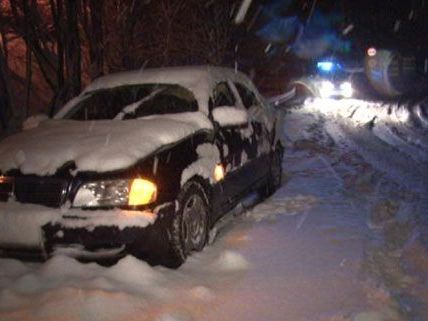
(394, 24)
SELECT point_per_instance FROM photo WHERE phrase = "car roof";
(201, 80)
(188, 76)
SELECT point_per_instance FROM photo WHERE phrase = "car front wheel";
(188, 230)
(275, 175)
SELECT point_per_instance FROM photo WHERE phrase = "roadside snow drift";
(95, 145)
(378, 131)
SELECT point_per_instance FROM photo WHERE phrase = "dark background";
(50, 49)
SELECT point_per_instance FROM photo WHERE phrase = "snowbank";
(378, 130)
(64, 287)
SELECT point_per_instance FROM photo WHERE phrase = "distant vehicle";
(141, 162)
(327, 80)
(393, 74)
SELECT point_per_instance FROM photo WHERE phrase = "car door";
(259, 145)
(230, 140)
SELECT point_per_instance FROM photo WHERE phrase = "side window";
(222, 96)
(247, 96)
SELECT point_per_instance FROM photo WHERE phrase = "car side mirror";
(230, 116)
(34, 121)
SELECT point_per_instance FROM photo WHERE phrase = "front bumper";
(89, 234)
(81, 242)
(336, 93)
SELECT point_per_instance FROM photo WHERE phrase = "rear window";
(134, 101)
(247, 96)
(221, 96)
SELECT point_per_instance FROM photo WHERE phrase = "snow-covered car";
(141, 162)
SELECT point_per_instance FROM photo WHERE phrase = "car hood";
(99, 146)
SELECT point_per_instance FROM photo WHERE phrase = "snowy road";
(337, 242)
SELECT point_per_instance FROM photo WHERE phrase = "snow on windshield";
(133, 101)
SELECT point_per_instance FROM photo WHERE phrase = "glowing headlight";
(347, 89)
(142, 192)
(327, 85)
(326, 89)
(346, 86)
(118, 192)
(219, 172)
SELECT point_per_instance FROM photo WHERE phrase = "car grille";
(47, 191)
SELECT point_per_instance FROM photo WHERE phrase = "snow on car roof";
(198, 79)
(186, 76)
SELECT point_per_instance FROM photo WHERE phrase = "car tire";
(188, 230)
(274, 178)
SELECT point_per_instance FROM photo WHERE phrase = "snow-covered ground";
(344, 239)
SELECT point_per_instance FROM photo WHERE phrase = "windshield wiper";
(131, 108)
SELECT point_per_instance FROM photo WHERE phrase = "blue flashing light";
(325, 66)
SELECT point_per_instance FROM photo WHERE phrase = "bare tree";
(96, 41)
(184, 32)
(29, 55)
(92, 23)
(28, 25)
(57, 11)
(69, 42)
(5, 97)
(72, 48)
(5, 105)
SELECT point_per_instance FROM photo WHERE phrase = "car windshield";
(330, 70)
(339, 75)
(133, 101)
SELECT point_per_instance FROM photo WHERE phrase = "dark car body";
(242, 147)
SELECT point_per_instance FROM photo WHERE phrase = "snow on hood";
(100, 146)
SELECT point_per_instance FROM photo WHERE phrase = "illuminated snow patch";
(282, 206)
(231, 261)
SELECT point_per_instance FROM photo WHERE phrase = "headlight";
(118, 192)
(327, 85)
(346, 89)
(346, 85)
(142, 192)
(326, 89)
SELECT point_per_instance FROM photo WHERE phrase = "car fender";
(205, 164)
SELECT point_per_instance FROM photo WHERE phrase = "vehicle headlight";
(326, 89)
(327, 85)
(119, 192)
(347, 89)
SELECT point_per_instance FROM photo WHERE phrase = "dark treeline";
(49, 49)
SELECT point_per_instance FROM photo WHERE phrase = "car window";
(247, 96)
(222, 96)
(170, 100)
(134, 101)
